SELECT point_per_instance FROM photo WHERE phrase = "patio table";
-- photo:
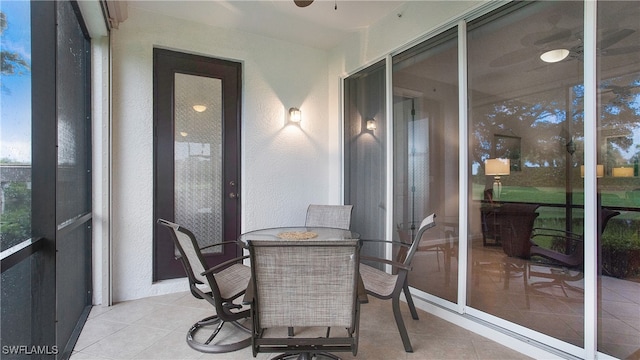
(299, 233)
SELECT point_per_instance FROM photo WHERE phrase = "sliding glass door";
(525, 151)
(365, 148)
(546, 254)
(425, 138)
(618, 152)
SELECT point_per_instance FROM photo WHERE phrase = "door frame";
(166, 64)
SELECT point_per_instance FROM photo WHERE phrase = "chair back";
(190, 255)
(517, 225)
(606, 215)
(567, 248)
(304, 284)
(335, 216)
(405, 255)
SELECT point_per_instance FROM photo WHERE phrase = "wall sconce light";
(599, 171)
(295, 115)
(622, 172)
(371, 124)
(497, 168)
(183, 133)
(199, 108)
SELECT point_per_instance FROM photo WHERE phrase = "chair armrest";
(218, 244)
(567, 235)
(224, 265)
(563, 244)
(385, 261)
(399, 243)
(550, 231)
(248, 294)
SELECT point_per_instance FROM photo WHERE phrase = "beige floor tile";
(126, 343)
(172, 346)
(169, 298)
(160, 334)
(435, 347)
(83, 356)
(130, 311)
(95, 330)
(190, 301)
(173, 317)
(99, 310)
(155, 327)
(489, 350)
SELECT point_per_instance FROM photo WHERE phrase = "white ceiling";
(319, 25)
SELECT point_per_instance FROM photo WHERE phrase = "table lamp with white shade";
(496, 168)
(622, 172)
(599, 170)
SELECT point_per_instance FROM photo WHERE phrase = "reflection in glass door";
(529, 237)
(425, 133)
(526, 116)
(365, 154)
(619, 154)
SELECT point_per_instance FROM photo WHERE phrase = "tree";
(12, 62)
(15, 224)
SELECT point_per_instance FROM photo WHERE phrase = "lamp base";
(497, 187)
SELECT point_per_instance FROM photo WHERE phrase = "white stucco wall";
(284, 167)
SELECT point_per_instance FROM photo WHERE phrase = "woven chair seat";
(377, 281)
(233, 280)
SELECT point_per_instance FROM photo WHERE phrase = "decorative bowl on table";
(297, 235)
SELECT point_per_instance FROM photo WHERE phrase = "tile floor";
(155, 328)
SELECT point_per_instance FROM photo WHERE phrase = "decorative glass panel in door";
(197, 157)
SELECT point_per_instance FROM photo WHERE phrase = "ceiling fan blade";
(620, 51)
(612, 37)
(302, 3)
(514, 57)
(558, 35)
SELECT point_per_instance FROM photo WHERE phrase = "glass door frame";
(590, 188)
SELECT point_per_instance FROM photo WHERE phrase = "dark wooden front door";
(196, 154)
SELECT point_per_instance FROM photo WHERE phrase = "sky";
(15, 94)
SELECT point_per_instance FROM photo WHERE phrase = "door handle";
(233, 195)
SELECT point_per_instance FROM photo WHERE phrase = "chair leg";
(400, 323)
(207, 346)
(306, 356)
(412, 307)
